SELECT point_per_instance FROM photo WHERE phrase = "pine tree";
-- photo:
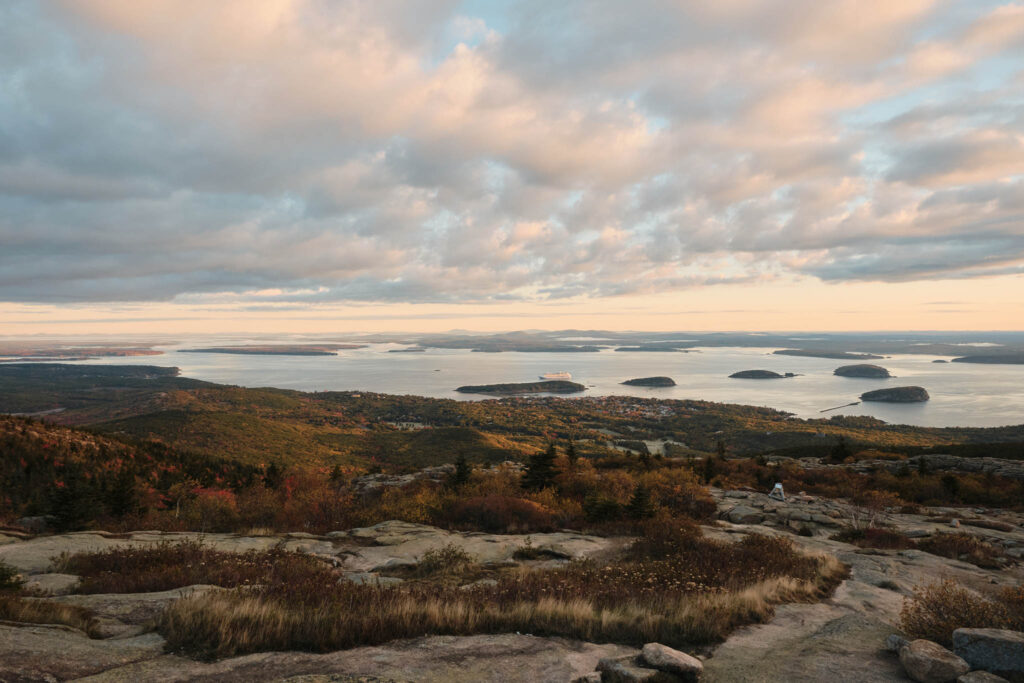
(460, 477)
(540, 470)
(272, 476)
(710, 468)
(73, 503)
(639, 506)
(120, 498)
(571, 455)
(840, 452)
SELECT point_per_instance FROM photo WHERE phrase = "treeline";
(75, 476)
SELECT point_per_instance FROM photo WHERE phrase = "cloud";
(301, 151)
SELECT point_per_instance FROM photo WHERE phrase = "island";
(548, 387)
(279, 349)
(939, 360)
(650, 382)
(993, 359)
(839, 355)
(862, 370)
(897, 395)
(759, 374)
(50, 354)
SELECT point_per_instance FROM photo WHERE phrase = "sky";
(333, 166)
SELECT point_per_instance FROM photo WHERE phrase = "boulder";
(895, 642)
(997, 650)
(743, 514)
(663, 658)
(981, 677)
(928, 662)
(626, 669)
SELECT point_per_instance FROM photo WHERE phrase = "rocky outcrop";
(499, 658)
(928, 662)
(896, 395)
(862, 370)
(994, 650)
(933, 462)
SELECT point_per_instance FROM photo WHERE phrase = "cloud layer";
(305, 151)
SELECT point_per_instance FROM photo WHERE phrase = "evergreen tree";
(272, 476)
(336, 474)
(73, 503)
(710, 468)
(639, 506)
(540, 470)
(460, 477)
(120, 497)
(840, 452)
(570, 453)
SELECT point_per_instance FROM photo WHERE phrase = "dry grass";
(874, 537)
(936, 610)
(36, 611)
(165, 566)
(963, 547)
(634, 601)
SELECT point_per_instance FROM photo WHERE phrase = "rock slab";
(992, 649)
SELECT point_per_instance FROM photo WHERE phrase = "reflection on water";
(961, 394)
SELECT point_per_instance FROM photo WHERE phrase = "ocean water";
(961, 394)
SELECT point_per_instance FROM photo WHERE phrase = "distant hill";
(278, 349)
(993, 359)
(840, 355)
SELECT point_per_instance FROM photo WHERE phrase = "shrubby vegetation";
(936, 610)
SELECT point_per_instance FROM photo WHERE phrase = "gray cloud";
(310, 152)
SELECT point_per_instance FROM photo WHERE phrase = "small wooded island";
(862, 370)
(548, 387)
(650, 382)
(759, 374)
(897, 395)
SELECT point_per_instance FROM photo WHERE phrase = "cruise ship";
(556, 375)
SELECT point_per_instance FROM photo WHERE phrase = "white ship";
(556, 375)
